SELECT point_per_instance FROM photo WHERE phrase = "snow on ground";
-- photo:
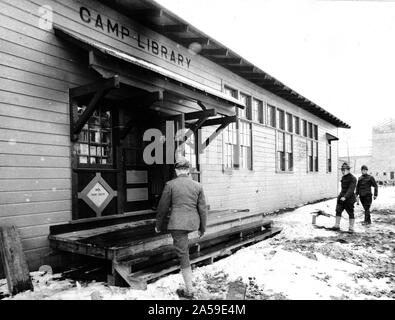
(302, 262)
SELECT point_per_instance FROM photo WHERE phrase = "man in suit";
(364, 192)
(185, 199)
(346, 198)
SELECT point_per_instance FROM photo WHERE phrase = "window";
(315, 145)
(257, 110)
(94, 145)
(304, 123)
(280, 119)
(230, 145)
(271, 116)
(310, 126)
(392, 175)
(297, 125)
(246, 112)
(328, 158)
(315, 132)
(245, 145)
(310, 159)
(289, 123)
(284, 152)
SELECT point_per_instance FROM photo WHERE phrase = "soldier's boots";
(367, 220)
(337, 224)
(351, 226)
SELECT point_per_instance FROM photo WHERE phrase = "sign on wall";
(126, 34)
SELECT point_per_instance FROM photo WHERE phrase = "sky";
(338, 54)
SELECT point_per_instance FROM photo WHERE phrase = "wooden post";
(14, 261)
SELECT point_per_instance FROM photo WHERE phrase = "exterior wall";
(37, 70)
(263, 189)
(383, 152)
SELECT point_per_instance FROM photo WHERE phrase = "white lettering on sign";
(124, 33)
(98, 194)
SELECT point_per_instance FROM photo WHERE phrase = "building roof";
(154, 16)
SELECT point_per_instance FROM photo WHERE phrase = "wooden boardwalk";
(139, 255)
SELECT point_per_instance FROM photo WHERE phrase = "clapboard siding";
(7, 210)
(21, 99)
(22, 112)
(31, 173)
(12, 147)
(9, 160)
(15, 136)
(33, 184)
(34, 196)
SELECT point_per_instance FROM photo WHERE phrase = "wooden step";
(139, 279)
(146, 245)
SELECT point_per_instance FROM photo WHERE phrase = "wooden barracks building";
(80, 83)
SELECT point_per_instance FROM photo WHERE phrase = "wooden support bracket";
(224, 122)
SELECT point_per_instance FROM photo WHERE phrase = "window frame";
(77, 144)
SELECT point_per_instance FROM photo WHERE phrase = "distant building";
(383, 151)
(356, 162)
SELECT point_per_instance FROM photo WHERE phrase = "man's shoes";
(182, 293)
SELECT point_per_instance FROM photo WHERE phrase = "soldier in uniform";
(364, 192)
(346, 198)
(185, 199)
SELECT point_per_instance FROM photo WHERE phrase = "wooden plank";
(10, 160)
(21, 99)
(14, 261)
(35, 207)
(28, 173)
(34, 196)
(36, 219)
(9, 185)
(22, 112)
(16, 147)
(102, 222)
(9, 122)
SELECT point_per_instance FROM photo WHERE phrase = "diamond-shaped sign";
(98, 194)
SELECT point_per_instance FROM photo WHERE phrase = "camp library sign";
(114, 28)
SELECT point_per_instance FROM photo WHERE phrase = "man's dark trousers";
(366, 202)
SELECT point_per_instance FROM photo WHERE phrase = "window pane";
(310, 130)
(271, 116)
(94, 144)
(297, 125)
(315, 132)
(288, 143)
(280, 119)
(280, 141)
(257, 110)
(304, 128)
(244, 99)
(289, 122)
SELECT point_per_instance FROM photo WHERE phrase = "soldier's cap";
(345, 165)
(364, 167)
(182, 163)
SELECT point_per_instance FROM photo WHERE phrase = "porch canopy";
(108, 62)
